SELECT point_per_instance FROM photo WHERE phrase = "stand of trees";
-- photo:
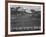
(34, 13)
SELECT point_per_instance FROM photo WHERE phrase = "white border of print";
(23, 32)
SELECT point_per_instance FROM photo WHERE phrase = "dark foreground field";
(24, 23)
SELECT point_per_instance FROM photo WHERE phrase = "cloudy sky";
(28, 8)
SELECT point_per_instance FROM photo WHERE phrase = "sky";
(28, 8)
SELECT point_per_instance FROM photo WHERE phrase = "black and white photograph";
(25, 18)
